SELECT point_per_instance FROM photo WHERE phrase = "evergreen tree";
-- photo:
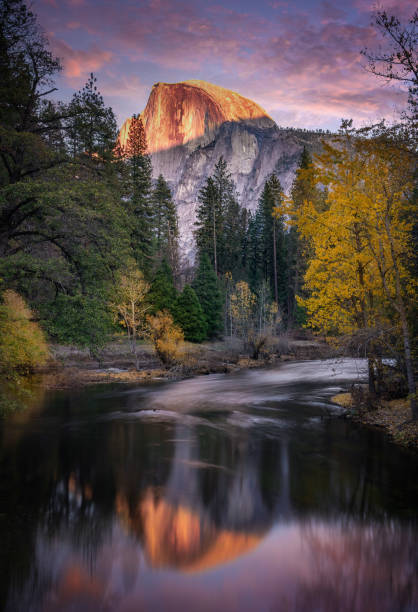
(220, 221)
(162, 294)
(234, 235)
(209, 222)
(165, 223)
(254, 249)
(139, 193)
(274, 231)
(209, 294)
(271, 241)
(63, 228)
(304, 189)
(91, 129)
(189, 315)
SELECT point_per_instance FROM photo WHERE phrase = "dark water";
(238, 492)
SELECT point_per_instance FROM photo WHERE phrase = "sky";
(299, 59)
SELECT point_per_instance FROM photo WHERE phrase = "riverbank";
(393, 416)
(71, 367)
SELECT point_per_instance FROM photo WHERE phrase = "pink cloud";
(78, 62)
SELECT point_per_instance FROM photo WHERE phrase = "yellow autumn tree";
(129, 304)
(358, 277)
(22, 342)
(166, 337)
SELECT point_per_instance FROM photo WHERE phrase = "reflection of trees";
(339, 470)
(360, 567)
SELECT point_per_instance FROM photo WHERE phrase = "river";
(244, 491)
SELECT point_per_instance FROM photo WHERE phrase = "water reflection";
(126, 501)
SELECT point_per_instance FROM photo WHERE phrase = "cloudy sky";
(299, 59)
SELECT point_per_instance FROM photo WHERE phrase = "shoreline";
(72, 368)
(393, 417)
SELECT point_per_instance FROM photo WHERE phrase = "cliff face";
(190, 125)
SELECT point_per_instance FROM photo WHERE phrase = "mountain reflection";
(178, 525)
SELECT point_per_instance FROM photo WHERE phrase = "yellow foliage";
(22, 342)
(360, 240)
(243, 302)
(129, 300)
(166, 337)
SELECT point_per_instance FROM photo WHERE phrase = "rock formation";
(190, 125)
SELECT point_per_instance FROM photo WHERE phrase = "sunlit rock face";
(190, 125)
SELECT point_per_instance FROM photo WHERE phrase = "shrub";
(165, 336)
(22, 341)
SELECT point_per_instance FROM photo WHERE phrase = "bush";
(165, 336)
(22, 341)
(81, 320)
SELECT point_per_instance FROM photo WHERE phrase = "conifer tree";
(234, 235)
(209, 222)
(271, 241)
(165, 223)
(189, 315)
(92, 126)
(220, 221)
(162, 294)
(139, 193)
(296, 261)
(209, 294)
(254, 249)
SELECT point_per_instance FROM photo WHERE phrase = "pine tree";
(275, 232)
(209, 294)
(189, 315)
(254, 250)
(234, 235)
(304, 189)
(162, 294)
(209, 222)
(165, 223)
(92, 126)
(221, 222)
(139, 193)
(270, 241)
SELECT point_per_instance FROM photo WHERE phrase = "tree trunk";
(372, 384)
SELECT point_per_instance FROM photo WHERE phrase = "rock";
(189, 125)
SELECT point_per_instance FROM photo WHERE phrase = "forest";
(90, 242)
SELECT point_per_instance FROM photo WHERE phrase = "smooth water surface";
(225, 492)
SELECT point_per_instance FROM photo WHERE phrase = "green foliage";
(189, 315)
(166, 231)
(91, 127)
(163, 294)
(221, 222)
(138, 188)
(22, 342)
(207, 289)
(81, 320)
(266, 258)
(26, 66)
(304, 188)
